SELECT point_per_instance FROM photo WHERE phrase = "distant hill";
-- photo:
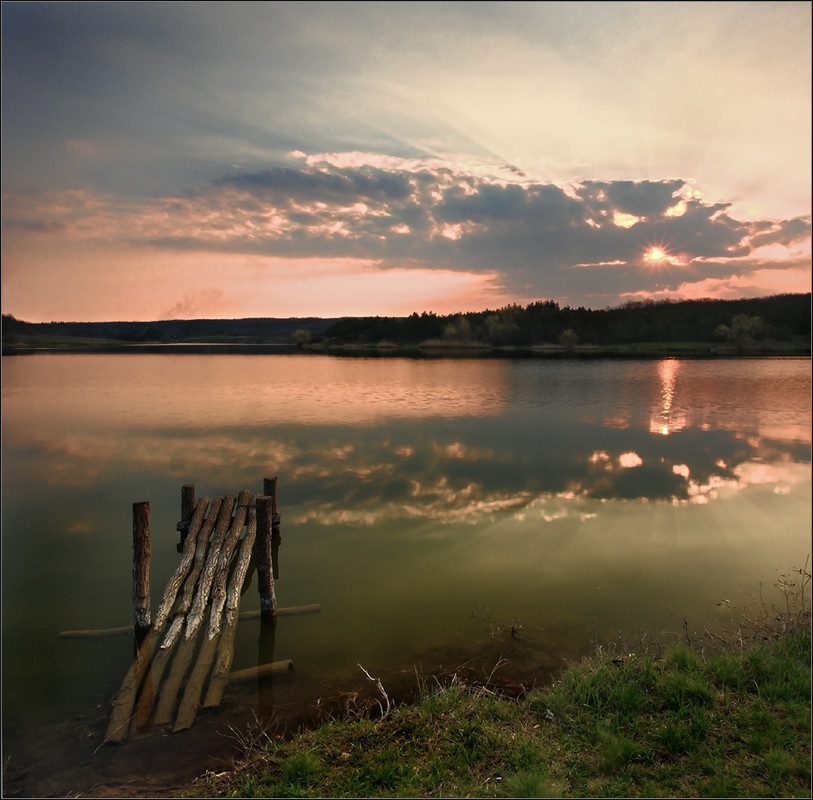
(778, 323)
(259, 330)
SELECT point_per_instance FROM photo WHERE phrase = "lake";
(443, 513)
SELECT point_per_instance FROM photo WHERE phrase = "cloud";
(433, 215)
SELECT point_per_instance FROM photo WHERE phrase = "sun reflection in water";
(664, 420)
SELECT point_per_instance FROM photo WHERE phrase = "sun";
(656, 255)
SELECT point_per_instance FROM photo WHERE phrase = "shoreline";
(426, 350)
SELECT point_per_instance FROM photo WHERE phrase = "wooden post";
(265, 575)
(187, 509)
(270, 489)
(141, 566)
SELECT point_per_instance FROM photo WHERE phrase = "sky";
(289, 159)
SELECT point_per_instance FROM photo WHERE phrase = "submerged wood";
(190, 702)
(120, 716)
(285, 611)
(168, 694)
(263, 671)
(101, 633)
(98, 633)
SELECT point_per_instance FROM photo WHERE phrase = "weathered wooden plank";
(195, 615)
(168, 694)
(124, 700)
(224, 559)
(225, 653)
(102, 633)
(95, 633)
(122, 711)
(190, 702)
(191, 582)
(187, 556)
(263, 671)
(285, 611)
(210, 537)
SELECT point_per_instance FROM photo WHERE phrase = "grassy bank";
(671, 722)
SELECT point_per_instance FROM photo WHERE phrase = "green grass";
(680, 723)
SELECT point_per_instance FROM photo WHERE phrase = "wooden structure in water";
(183, 654)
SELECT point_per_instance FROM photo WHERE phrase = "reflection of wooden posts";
(265, 655)
(270, 489)
(265, 575)
(141, 566)
(187, 509)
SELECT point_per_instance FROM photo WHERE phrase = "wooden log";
(223, 561)
(124, 700)
(190, 702)
(195, 615)
(273, 669)
(148, 660)
(100, 633)
(168, 694)
(187, 509)
(122, 711)
(225, 651)
(168, 697)
(191, 581)
(285, 611)
(265, 576)
(141, 566)
(155, 671)
(103, 633)
(187, 557)
(187, 502)
(270, 489)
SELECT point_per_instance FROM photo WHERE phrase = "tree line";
(781, 318)
(785, 317)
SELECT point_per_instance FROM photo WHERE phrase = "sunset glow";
(369, 165)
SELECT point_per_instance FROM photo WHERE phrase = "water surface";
(427, 505)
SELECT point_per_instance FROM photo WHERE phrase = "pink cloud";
(759, 283)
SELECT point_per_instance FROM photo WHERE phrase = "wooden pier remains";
(183, 653)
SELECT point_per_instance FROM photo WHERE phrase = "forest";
(740, 324)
